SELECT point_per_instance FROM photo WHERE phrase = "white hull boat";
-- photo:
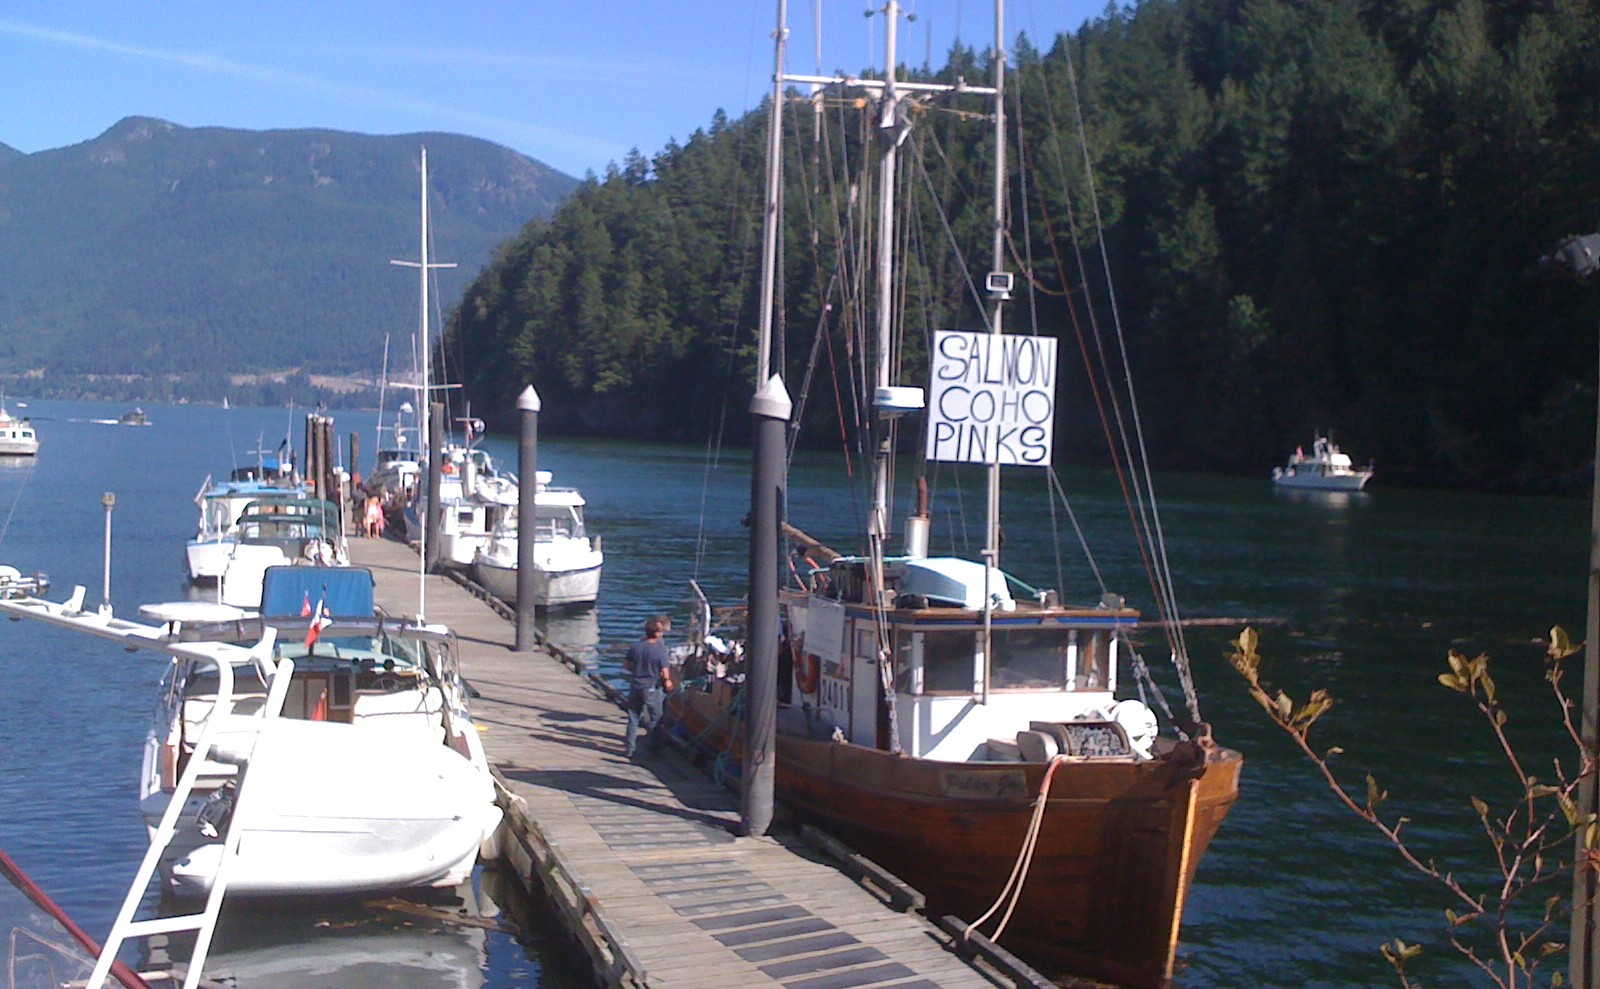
(17, 436)
(279, 534)
(567, 560)
(221, 504)
(1327, 469)
(334, 756)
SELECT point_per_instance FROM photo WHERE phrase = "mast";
(999, 289)
(425, 394)
(895, 130)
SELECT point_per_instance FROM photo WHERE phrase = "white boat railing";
(17, 601)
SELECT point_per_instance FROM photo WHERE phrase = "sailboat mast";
(774, 204)
(426, 395)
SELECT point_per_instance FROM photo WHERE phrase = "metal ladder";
(220, 720)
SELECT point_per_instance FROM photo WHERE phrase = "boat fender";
(807, 674)
(1139, 722)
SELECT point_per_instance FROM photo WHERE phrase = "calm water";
(1362, 594)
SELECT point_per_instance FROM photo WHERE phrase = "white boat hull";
(1322, 482)
(336, 809)
(551, 588)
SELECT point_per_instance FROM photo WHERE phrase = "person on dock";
(649, 669)
(374, 516)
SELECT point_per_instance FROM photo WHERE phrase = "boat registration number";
(835, 695)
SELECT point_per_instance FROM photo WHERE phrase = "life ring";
(806, 674)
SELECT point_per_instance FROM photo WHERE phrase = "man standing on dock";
(649, 671)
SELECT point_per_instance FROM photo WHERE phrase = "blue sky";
(575, 85)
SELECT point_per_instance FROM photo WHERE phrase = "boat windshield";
(1031, 658)
(375, 652)
(558, 521)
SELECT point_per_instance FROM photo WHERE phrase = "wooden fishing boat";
(939, 780)
(1004, 752)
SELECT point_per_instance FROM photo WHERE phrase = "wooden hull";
(1117, 847)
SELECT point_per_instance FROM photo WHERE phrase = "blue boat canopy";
(345, 592)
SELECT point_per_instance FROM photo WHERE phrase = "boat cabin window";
(1029, 659)
(1023, 659)
(1093, 666)
(947, 661)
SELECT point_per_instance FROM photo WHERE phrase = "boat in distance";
(1327, 469)
(18, 438)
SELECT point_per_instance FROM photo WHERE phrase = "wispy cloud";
(348, 93)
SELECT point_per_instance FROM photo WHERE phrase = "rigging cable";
(1180, 653)
(1148, 517)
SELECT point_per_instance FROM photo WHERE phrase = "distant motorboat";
(134, 418)
(17, 436)
(1327, 469)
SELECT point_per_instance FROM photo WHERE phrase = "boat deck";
(642, 859)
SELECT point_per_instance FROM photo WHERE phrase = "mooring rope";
(1019, 872)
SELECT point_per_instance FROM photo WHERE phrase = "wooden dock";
(641, 859)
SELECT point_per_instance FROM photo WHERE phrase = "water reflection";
(425, 941)
(575, 630)
(12, 461)
(1329, 499)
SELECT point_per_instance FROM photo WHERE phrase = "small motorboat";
(17, 436)
(1327, 469)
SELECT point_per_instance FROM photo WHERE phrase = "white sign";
(993, 398)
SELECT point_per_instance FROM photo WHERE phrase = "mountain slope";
(159, 249)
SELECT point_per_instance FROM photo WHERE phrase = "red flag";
(319, 621)
(305, 606)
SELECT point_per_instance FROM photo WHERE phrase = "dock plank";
(650, 850)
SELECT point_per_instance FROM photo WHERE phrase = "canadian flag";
(319, 621)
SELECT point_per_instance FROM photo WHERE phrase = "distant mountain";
(7, 152)
(156, 249)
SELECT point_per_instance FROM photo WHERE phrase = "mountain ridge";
(165, 250)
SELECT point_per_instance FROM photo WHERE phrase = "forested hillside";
(1320, 216)
(177, 256)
